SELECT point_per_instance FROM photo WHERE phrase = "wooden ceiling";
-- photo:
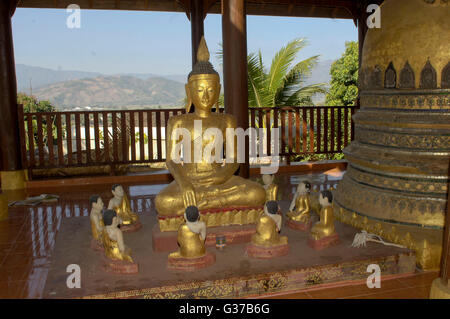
(340, 9)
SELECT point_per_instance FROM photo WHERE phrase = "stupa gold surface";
(397, 177)
(199, 181)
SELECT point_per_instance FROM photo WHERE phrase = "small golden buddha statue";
(325, 226)
(199, 181)
(270, 187)
(268, 227)
(191, 236)
(96, 218)
(121, 205)
(300, 207)
(112, 238)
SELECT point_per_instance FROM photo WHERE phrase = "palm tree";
(281, 85)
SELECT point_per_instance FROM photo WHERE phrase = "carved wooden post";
(234, 32)
(197, 27)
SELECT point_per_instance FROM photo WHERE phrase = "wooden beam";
(197, 28)
(9, 128)
(234, 34)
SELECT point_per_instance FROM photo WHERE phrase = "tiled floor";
(28, 235)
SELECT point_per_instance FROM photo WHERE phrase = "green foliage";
(31, 104)
(283, 83)
(344, 78)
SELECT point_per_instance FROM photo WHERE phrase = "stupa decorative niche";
(397, 177)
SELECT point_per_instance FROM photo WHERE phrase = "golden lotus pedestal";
(191, 264)
(237, 224)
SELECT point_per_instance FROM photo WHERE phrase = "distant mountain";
(30, 78)
(113, 91)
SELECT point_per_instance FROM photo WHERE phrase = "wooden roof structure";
(338, 9)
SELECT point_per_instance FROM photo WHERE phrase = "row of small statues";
(106, 233)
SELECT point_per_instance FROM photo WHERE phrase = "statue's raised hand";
(188, 194)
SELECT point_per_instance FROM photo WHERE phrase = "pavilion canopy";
(341, 9)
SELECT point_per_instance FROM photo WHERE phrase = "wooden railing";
(87, 138)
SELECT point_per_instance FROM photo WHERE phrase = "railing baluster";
(115, 135)
(40, 141)
(283, 132)
(97, 137)
(268, 132)
(69, 139)
(51, 155)
(124, 134)
(297, 130)
(132, 136)
(275, 124)
(141, 137)
(325, 130)
(339, 128)
(304, 129)
(289, 135)
(346, 126)
(353, 124)
(23, 147)
(150, 135)
(311, 130)
(60, 139)
(158, 135)
(332, 130)
(319, 128)
(78, 138)
(87, 136)
(106, 137)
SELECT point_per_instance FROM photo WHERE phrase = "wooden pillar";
(9, 131)
(234, 33)
(197, 27)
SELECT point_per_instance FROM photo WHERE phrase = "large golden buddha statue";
(198, 181)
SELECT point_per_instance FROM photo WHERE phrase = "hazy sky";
(153, 42)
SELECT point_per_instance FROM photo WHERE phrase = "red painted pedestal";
(325, 242)
(292, 224)
(262, 252)
(191, 264)
(119, 266)
(96, 246)
(131, 228)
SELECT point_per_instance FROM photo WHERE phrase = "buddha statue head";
(117, 190)
(304, 187)
(110, 218)
(325, 198)
(96, 202)
(203, 87)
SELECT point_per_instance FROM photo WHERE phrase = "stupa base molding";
(120, 267)
(191, 264)
(323, 243)
(131, 228)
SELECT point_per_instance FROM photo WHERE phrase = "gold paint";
(267, 233)
(302, 209)
(124, 212)
(205, 185)
(112, 250)
(191, 245)
(231, 217)
(12, 180)
(412, 31)
(325, 226)
(426, 243)
(271, 192)
(3, 206)
(439, 290)
(406, 125)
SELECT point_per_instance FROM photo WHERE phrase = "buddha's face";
(301, 188)
(118, 191)
(203, 90)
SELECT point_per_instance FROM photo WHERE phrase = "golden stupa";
(398, 173)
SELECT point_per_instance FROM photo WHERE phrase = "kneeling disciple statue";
(97, 225)
(323, 233)
(270, 187)
(128, 220)
(201, 177)
(191, 239)
(117, 256)
(267, 242)
(299, 215)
